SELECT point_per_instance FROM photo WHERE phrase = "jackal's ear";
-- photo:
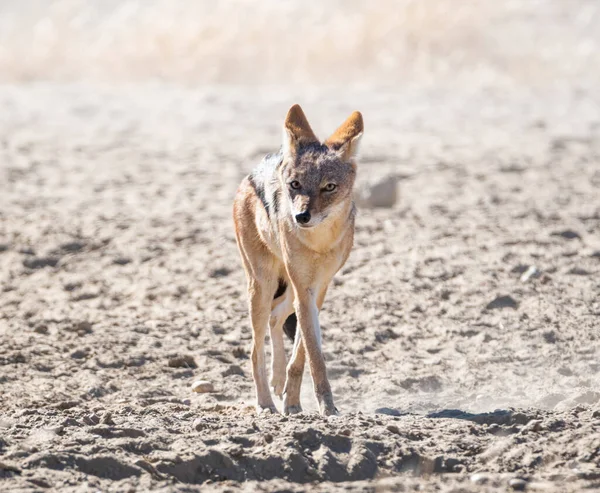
(346, 138)
(296, 131)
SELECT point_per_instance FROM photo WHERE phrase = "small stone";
(72, 246)
(380, 193)
(199, 424)
(531, 271)
(202, 387)
(568, 234)
(41, 329)
(479, 478)
(233, 370)
(72, 286)
(517, 484)
(79, 354)
(81, 328)
(40, 262)
(121, 261)
(393, 429)
(565, 371)
(182, 361)
(219, 272)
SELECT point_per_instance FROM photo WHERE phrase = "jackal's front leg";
(282, 308)
(308, 320)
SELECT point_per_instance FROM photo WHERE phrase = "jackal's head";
(317, 178)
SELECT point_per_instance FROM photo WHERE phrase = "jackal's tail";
(289, 326)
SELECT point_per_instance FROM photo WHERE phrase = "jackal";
(294, 225)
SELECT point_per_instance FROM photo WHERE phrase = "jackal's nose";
(303, 217)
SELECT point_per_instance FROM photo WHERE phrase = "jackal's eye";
(330, 187)
(295, 184)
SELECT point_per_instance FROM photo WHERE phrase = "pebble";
(182, 361)
(393, 429)
(479, 478)
(380, 193)
(121, 261)
(568, 234)
(531, 271)
(41, 329)
(517, 484)
(232, 370)
(202, 386)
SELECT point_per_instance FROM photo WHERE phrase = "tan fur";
(275, 247)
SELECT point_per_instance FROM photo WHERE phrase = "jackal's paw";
(326, 406)
(278, 384)
(292, 409)
(330, 411)
(269, 409)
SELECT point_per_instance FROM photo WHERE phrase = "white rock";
(202, 386)
(479, 478)
(532, 271)
(517, 484)
(382, 192)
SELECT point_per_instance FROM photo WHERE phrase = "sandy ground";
(121, 285)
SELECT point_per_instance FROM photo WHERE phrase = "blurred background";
(350, 42)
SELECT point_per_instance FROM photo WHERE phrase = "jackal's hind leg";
(293, 383)
(260, 303)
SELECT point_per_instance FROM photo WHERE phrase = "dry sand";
(462, 336)
(121, 285)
